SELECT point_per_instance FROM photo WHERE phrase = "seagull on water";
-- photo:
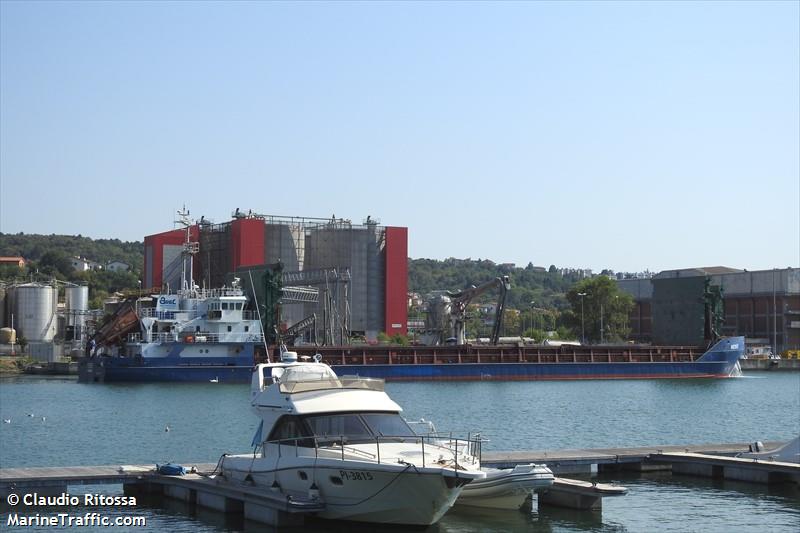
(44, 418)
(6, 421)
(166, 428)
(31, 415)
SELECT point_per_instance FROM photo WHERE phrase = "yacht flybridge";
(343, 441)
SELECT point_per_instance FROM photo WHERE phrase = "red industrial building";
(374, 257)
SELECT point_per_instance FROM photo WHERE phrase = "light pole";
(583, 335)
(533, 318)
(601, 323)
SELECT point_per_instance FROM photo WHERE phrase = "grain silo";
(360, 270)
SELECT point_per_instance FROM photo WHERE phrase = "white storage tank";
(76, 303)
(35, 311)
(8, 336)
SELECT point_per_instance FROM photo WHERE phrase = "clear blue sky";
(624, 135)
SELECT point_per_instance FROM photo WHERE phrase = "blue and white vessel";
(194, 335)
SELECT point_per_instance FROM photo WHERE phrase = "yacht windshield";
(387, 425)
(351, 427)
(359, 427)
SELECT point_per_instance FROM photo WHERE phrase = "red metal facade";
(247, 242)
(156, 243)
(396, 265)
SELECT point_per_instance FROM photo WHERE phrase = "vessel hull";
(539, 371)
(360, 492)
(721, 361)
(172, 368)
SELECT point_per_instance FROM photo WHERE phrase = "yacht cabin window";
(349, 427)
(333, 426)
(291, 427)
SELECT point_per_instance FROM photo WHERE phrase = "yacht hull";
(357, 491)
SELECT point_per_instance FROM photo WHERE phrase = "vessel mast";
(189, 249)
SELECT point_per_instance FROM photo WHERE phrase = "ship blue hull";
(720, 361)
(537, 371)
(176, 374)
(172, 368)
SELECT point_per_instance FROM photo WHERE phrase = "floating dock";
(710, 460)
(275, 507)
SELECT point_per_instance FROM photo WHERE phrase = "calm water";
(125, 424)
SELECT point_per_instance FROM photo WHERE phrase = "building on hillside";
(15, 260)
(118, 266)
(675, 306)
(582, 272)
(81, 264)
(363, 267)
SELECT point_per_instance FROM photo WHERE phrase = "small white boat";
(506, 488)
(342, 442)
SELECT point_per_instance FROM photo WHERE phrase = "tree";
(604, 305)
(56, 262)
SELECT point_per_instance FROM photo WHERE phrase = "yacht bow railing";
(465, 451)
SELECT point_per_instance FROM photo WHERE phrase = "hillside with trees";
(50, 256)
(547, 288)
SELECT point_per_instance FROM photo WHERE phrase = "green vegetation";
(602, 306)
(50, 256)
(546, 288)
(396, 339)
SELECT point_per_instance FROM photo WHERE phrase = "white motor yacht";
(342, 440)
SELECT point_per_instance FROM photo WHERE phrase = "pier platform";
(277, 508)
(708, 460)
(770, 364)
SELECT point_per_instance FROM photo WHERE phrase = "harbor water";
(76, 424)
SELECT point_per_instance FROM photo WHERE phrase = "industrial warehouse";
(358, 273)
(679, 306)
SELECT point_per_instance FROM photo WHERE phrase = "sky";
(621, 135)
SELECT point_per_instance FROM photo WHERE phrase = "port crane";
(447, 313)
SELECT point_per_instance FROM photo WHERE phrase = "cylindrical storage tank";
(8, 336)
(35, 311)
(76, 301)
